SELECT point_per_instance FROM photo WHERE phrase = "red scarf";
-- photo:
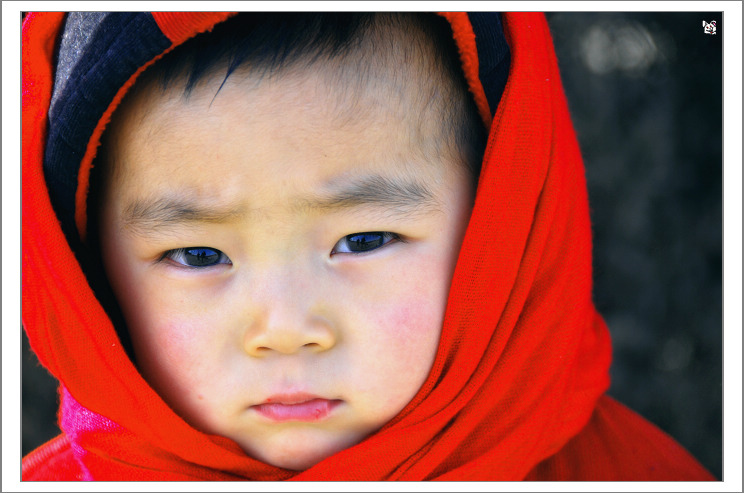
(516, 388)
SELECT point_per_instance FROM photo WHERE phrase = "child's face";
(283, 265)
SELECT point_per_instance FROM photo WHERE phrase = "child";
(297, 258)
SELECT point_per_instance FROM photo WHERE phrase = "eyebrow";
(391, 196)
(148, 216)
(396, 195)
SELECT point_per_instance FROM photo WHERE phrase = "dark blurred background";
(645, 94)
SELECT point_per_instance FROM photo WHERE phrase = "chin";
(297, 453)
(293, 460)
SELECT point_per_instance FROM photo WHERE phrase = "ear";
(703, 23)
(713, 23)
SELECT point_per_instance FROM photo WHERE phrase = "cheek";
(175, 343)
(397, 353)
(406, 323)
(410, 319)
(181, 357)
(179, 332)
(417, 295)
(410, 339)
(167, 348)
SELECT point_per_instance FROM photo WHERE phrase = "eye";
(363, 242)
(197, 256)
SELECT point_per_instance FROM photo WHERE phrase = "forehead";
(328, 105)
(274, 136)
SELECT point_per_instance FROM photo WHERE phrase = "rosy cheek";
(397, 353)
(177, 362)
(414, 306)
(410, 331)
(412, 320)
(167, 345)
(187, 343)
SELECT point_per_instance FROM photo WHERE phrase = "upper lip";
(290, 398)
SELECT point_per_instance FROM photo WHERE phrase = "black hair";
(265, 41)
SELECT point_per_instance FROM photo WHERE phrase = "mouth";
(296, 407)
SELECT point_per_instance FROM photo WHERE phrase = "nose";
(286, 317)
(288, 338)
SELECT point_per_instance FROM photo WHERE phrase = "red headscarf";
(516, 388)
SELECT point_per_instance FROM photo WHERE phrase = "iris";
(197, 256)
(363, 242)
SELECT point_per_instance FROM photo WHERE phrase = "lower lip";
(312, 410)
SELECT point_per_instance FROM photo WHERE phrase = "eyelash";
(201, 257)
(363, 239)
(206, 257)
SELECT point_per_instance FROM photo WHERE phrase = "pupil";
(365, 241)
(201, 256)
